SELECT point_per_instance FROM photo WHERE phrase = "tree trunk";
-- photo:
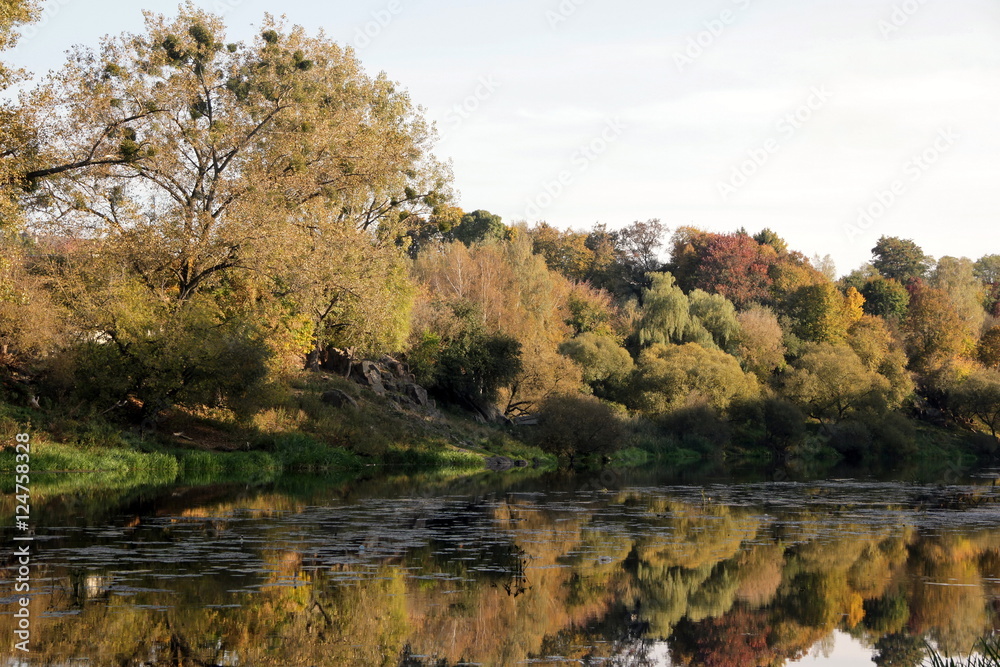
(312, 359)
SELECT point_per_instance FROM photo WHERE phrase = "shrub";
(697, 426)
(851, 439)
(571, 426)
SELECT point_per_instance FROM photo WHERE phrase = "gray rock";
(416, 393)
(371, 375)
(338, 398)
(499, 463)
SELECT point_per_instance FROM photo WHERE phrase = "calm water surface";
(497, 569)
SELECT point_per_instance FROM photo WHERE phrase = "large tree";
(760, 345)
(737, 267)
(900, 259)
(885, 297)
(17, 138)
(831, 381)
(822, 314)
(667, 375)
(276, 170)
(193, 158)
(978, 397)
(933, 330)
(479, 226)
(957, 277)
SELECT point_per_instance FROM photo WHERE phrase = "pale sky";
(718, 113)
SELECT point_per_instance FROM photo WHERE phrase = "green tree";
(859, 277)
(822, 314)
(590, 310)
(900, 259)
(870, 339)
(978, 396)
(666, 316)
(600, 357)
(479, 226)
(717, 315)
(830, 382)
(784, 424)
(885, 297)
(478, 365)
(987, 269)
(666, 376)
(160, 353)
(880, 352)
(768, 237)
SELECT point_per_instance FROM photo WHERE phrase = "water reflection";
(496, 571)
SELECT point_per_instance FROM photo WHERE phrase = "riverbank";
(323, 424)
(300, 429)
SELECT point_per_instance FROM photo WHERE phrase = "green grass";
(301, 452)
(58, 457)
(198, 468)
(633, 457)
(90, 468)
(427, 458)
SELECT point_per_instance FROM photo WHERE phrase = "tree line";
(186, 221)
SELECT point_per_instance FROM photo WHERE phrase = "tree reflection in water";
(371, 575)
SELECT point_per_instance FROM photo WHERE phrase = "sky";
(832, 122)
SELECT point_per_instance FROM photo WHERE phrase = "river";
(521, 568)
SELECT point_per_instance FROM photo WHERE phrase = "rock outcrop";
(386, 377)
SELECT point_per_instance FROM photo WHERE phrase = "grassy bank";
(293, 430)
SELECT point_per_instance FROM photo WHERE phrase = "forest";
(192, 226)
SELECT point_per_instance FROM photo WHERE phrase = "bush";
(698, 426)
(572, 426)
(851, 439)
(894, 435)
(190, 356)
